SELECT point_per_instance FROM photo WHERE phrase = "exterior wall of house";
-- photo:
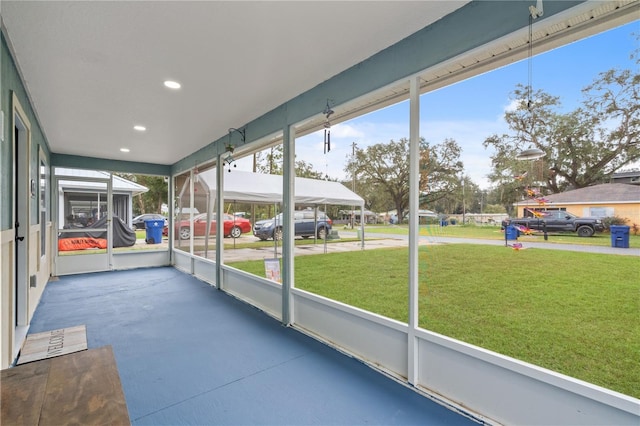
(13, 97)
(629, 211)
(38, 232)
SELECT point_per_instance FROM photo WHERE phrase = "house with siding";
(631, 177)
(606, 200)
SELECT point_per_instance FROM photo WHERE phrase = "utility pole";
(353, 183)
(353, 157)
(464, 209)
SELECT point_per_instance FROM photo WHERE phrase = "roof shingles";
(608, 192)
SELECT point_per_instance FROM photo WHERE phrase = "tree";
(583, 147)
(383, 168)
(468, 193)
(152, 200)
(270, 162)
(440, 168)
(305, 170)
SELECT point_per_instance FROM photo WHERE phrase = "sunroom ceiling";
(96, 69)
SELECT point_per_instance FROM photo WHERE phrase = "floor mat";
(53, 343)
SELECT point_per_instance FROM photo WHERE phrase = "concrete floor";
(189, 354)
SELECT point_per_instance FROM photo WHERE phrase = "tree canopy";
(582, 147)
(270, 162)
(152, 200)
(382, 172)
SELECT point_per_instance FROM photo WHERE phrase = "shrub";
(613, 220)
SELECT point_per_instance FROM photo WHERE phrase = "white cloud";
(470, 135)
(345, 130)
(514, 104)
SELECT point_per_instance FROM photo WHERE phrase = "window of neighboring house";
(600, 211)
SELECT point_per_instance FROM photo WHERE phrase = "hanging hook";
(229, 147)
(537, 10)
(328, 111)
(241, 131)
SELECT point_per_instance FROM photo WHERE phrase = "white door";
(21, 189)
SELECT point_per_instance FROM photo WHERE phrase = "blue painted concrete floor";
(190, 354)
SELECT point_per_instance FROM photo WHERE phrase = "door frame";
(64, 265)
(21, 213)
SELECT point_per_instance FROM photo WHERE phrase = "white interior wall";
(6, 297)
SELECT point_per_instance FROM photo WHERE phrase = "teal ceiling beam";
(79, 162)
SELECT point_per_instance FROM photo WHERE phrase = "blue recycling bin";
(511, 232)
(444, 222)
(154, 231)
(620, 236)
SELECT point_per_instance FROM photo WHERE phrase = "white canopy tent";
(264, 188)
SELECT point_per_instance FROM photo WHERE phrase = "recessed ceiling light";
(125, 149)
(140, 128)
(172, 84)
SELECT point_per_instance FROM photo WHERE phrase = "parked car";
(138, 221)
(559, 221)
(305, 226)
(232, 226)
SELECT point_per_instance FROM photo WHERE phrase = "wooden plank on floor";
(80, 388)
(23, 390)
(53, 343)
(85, 388)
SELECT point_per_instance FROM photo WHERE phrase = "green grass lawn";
(575, 313)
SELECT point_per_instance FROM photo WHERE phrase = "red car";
(233, 226)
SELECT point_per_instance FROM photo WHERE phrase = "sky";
(472, 110)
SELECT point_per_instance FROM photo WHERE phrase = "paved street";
(528, 244)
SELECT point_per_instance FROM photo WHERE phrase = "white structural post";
(414, 193)
(192, 204)
(172, 215)
(288, 195)
(109, 220)
(219, 203)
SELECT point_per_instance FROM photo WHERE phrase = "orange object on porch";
(81, 243)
